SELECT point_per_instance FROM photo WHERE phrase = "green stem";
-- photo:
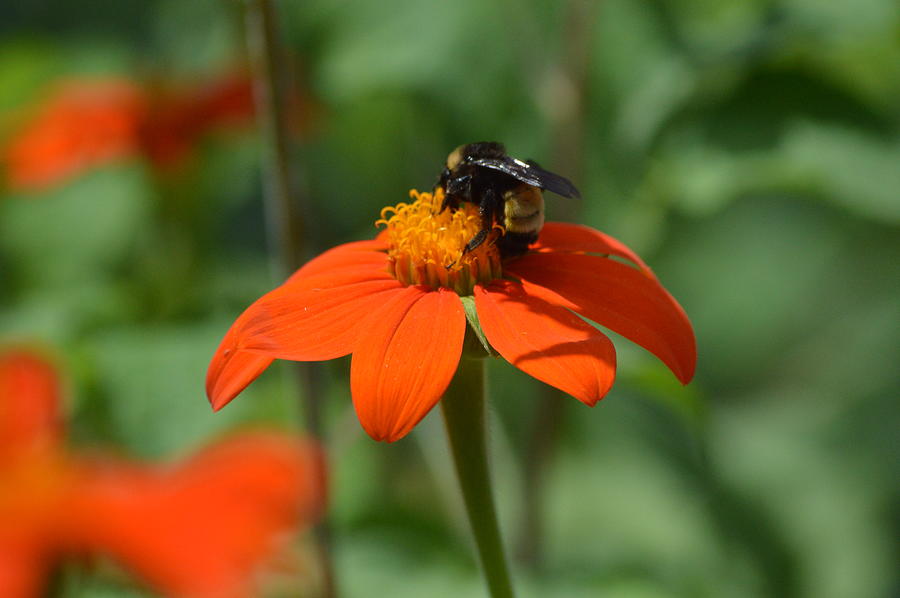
(464, 419)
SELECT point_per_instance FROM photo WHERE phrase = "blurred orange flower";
(178, 118)
(202, 528)
(85, 123)
(82, 124)
(398, 304)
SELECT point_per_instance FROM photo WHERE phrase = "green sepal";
(475, 325)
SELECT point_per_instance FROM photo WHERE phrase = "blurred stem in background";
(284, 209)
(283, 216)
(564, 93)
(463, 407)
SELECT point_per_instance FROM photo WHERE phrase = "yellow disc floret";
(426, 245)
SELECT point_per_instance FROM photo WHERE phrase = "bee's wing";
(531, 173)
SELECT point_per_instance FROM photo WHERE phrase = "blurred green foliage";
(748, 150)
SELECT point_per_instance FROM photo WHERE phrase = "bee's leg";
(476, 241)
(488, 210)
(473, 244)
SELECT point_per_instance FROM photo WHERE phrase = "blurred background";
(749, 151)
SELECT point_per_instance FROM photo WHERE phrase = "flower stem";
(282, 214)
(463, 407)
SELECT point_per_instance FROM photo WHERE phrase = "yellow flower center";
(426, 245)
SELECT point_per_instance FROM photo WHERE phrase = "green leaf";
(475, 324)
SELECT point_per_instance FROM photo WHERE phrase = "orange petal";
(404, 359)
(616, 296)
(546, 341)
(314, 324)
(232, 370)
(576, 238)
(29, 402)
(307, 318)
(207, 528)
(355, 254)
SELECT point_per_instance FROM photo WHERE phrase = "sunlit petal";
(314, 324)
(310, 318)
(358, 254)
(405, 359)
(546, 341)
(576, 238)
(231, 369)
(618, 297)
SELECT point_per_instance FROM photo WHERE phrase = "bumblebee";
(508, 192)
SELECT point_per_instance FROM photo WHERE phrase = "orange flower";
(178, 118)
(199, 529)
(84, 123)
(399, 304)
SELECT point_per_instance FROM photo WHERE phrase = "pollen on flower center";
(426, 245)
